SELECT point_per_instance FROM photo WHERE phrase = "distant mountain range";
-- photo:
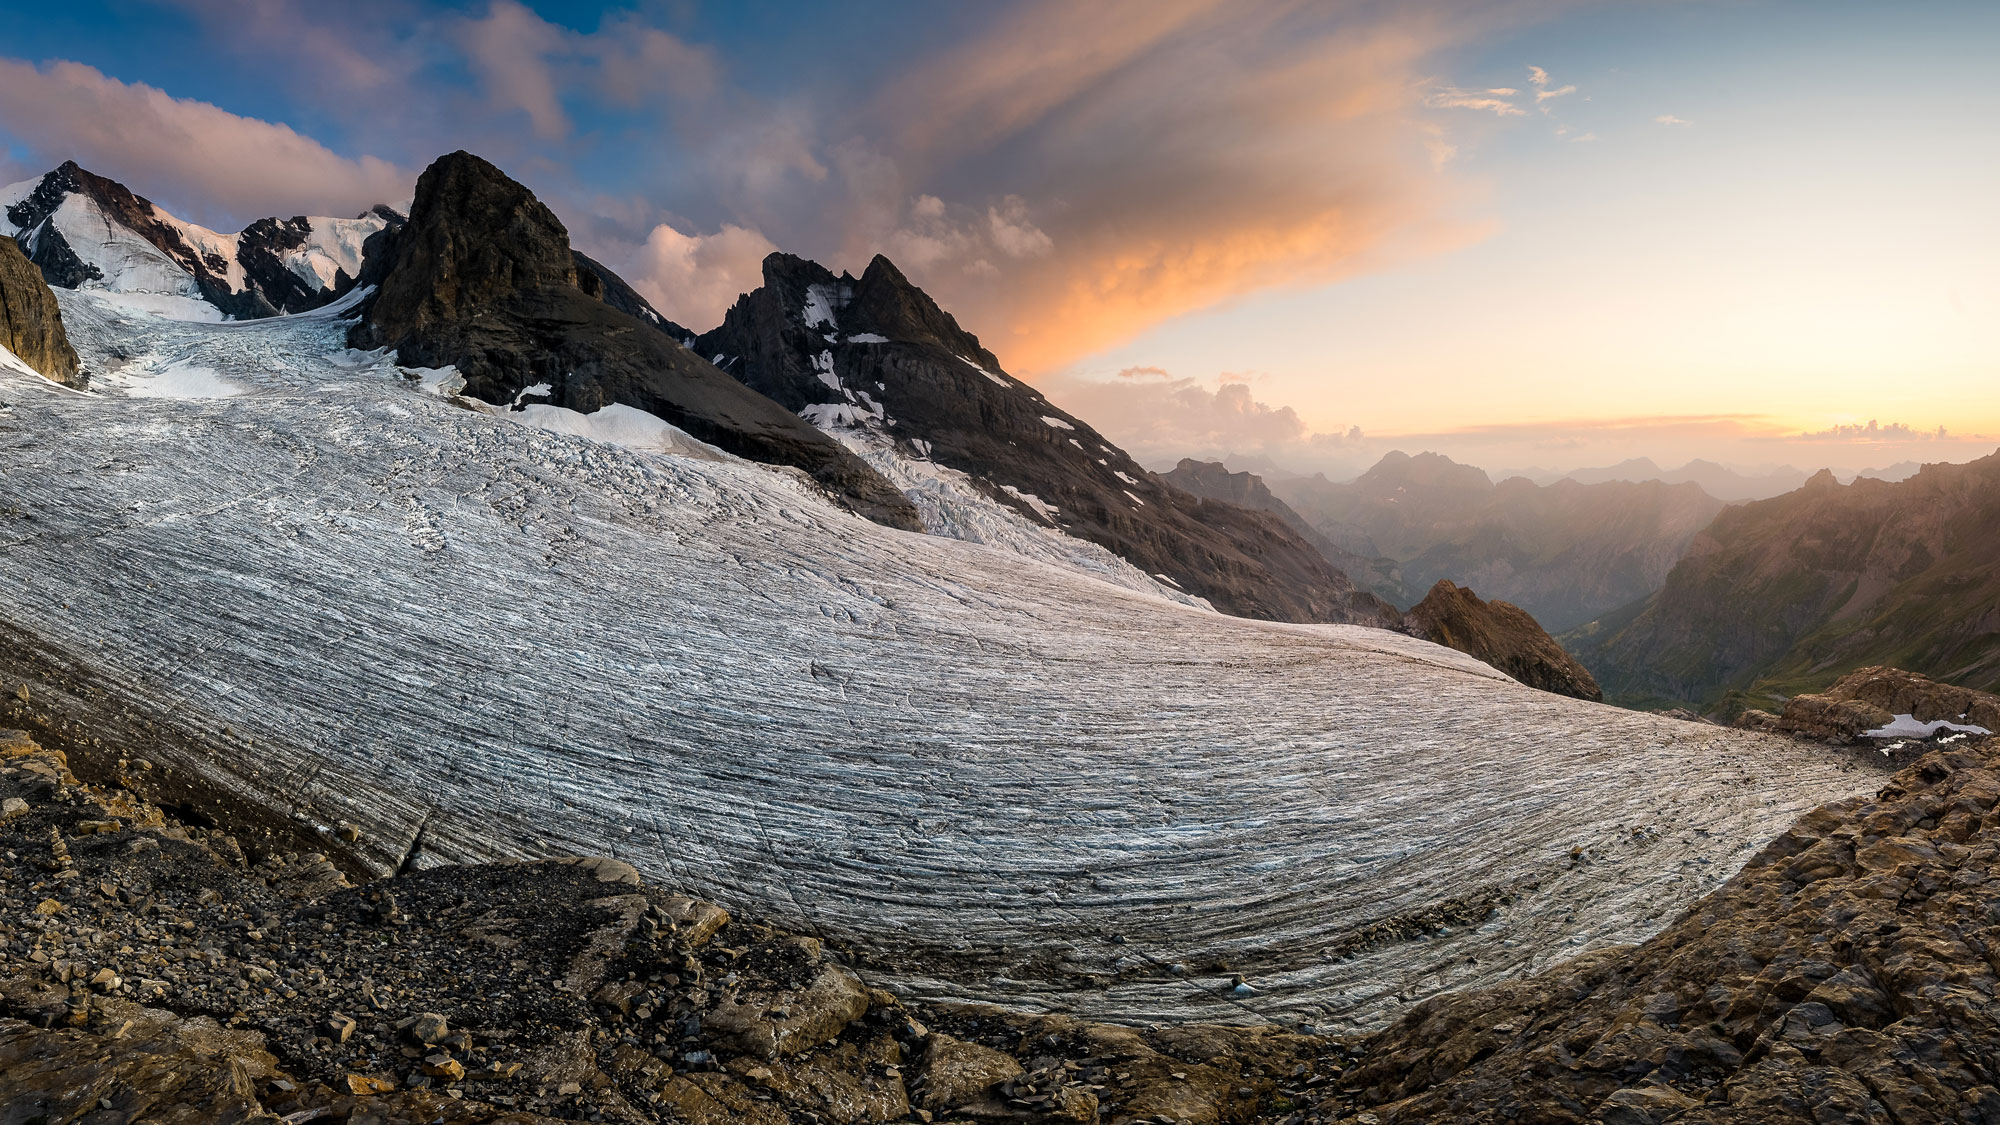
(1784, 595)
(1565, 552)
(1726, 484)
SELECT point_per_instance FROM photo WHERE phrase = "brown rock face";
(30, 322)
(1868, 698)
(1502, 635)
(482, 278)
(1842, 975)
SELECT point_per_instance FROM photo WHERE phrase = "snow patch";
(1119, 473)
(333, 247)
(1135, 499)
(1040, 507)
(818, 312)
(983, 371)
(129, 263)
(867, 338)
(180, 379)
(1056, 423)
(617, 424)
(823, 367)
(1907, 726)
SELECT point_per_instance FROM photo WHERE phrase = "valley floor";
(423, 634)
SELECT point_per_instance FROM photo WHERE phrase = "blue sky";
(1282, 221)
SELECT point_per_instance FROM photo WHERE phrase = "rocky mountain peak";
(483, 279)
(1503, 635)
(892, 306)
(475, 235)
(1397, 469)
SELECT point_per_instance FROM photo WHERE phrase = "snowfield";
(1001, 777)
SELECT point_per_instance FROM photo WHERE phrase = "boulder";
(1870, 698)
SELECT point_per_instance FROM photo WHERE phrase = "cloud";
(199, 160)
(693, 279)
(1160, 418)
(1491, 101)
(510, 49)
(1539, 78)
(1670, 119)
(1302, 156)
(1870, 431)
(525, 63)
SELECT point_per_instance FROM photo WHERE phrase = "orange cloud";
(1167, 156)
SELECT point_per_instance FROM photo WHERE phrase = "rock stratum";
(1777, 597)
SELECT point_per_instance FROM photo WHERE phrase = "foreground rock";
(155, 971)
(1869, 699)
(1845, 975)
(30, 323)
(1502, 635)
(482, 278)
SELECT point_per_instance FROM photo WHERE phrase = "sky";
(1290, 233)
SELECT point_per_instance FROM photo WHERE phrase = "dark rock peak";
(878, 351)
(1213, 480)
(30, 322)
(1503, 635)
(483, 278)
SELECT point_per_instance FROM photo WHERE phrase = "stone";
(339, 1028)
(427, 1028)
(748, 1022)
(444, 1066)
(954, 1072)
(11, 808)
(363, 1085)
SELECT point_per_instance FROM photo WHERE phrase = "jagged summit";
(483, 279)
(85, 231)
(876, 360)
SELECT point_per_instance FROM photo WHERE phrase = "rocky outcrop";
(1502, 635)
(30, 322)
(876, 354)
(1871, 699)
(483, 279)
(1564, 552)
(1845, 974)
(158, 971)
(1776, 597)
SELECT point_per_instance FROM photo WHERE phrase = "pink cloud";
(216, 166)
(693, 279)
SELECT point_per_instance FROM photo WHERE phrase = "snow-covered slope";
(87, 232)
(340, 592)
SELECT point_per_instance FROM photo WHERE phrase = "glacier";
(351, 598)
